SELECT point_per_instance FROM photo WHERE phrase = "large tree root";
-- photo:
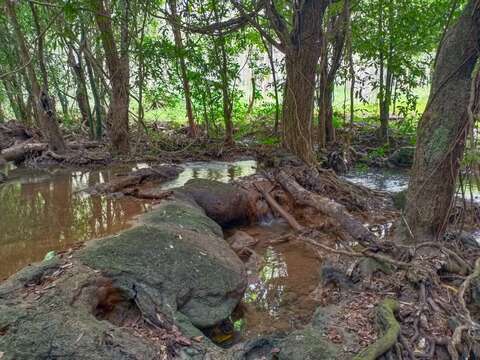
(385, 314)
(326, 206)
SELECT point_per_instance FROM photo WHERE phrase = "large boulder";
(173, 269)
(307, 344)
(177, 261)
(224, 203)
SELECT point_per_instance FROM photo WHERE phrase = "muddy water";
(279, 295)
(42, 211)
(397, 180)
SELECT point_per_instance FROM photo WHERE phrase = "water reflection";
(214, 170)
(42, 211)
(278, 296)
(397, 180)
(268, 289)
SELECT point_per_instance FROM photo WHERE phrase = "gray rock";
(241, 240)
(174, 267)
(177, 262)
(3, 177)
(307, 344)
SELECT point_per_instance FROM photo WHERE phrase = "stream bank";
(289, 298)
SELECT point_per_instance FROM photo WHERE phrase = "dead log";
(326, 206)
(277, 208)
(19, 152)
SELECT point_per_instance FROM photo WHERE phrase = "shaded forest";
(248, 131)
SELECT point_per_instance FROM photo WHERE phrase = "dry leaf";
(198, 338)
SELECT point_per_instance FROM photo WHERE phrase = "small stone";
(241, 240)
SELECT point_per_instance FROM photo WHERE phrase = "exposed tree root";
(385, 317)
(326, 206)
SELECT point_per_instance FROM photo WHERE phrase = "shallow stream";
(42, 210)
(45, 210)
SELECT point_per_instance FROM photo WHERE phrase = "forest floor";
(360, 293)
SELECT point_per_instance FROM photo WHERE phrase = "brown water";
(41, 211)
(280, 296)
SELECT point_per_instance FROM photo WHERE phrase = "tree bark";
(302, 52)
(94, 87)
(326, 206)
(443, 128)
(269, 49)
(223, 68)
(118, 69)
(44, 110)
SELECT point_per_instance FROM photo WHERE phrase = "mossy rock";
(176, 261)
(225, 203)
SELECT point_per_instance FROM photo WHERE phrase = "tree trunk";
(81, 91)
(298, 102)
(219, 42)
(2, 113)
(443, 129)
(95, 93)
(44, 110)
(269, 49)
(177, 35)
(118, 69)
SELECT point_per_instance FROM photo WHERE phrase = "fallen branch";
(385, 315)
(365, 253)
(20, 151)
(278, 208)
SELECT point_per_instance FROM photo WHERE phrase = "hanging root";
(385, 314)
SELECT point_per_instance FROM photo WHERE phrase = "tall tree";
(118, 65)
(443, 128)
(45, 111)
(177, 34)
(300, 39)
(333, 44)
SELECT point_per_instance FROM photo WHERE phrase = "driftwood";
(127, 181)
(326, 206)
